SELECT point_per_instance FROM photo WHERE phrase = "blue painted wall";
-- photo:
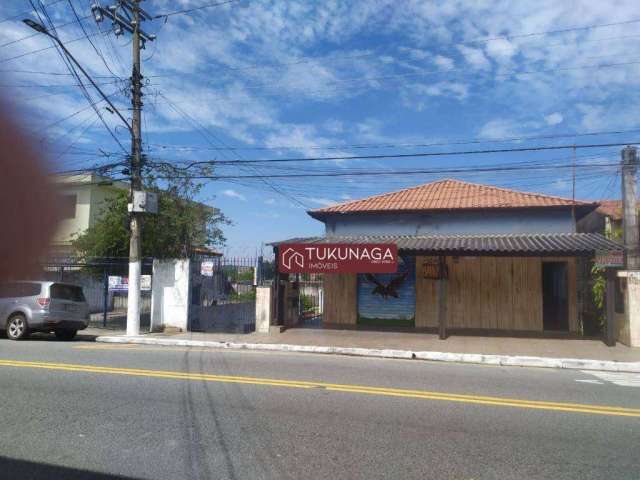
(462, 223)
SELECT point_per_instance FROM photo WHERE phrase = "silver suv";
(42, 307)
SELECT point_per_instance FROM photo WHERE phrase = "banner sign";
(121, 284)
(337, 258)
(611, 258)
(206, 268)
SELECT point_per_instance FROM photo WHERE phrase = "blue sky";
(281, 79)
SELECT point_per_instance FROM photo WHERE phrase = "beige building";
(82, 198)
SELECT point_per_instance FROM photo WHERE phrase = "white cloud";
(270, 201)
(325, 202)
(475, 57)
(234, 194)
(443, 62)
(501, 49)
(498, 128)
(554, 118)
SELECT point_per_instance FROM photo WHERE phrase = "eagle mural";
(388, 299)
(389, 289)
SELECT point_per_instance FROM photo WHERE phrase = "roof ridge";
(522, 192)
(381, 195)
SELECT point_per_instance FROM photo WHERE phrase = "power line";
(189, 10)
(206, 133)
(311, 59)
(95, 49)
(553, 32)
(402, 172)
(31, 52)
(407, 155)
(18, 15)
(403, 145)
(17, 40)
(57, 85)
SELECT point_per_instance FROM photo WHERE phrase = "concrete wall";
(232, 317)
(69, 227)
(629, 331)
(263, 309)
(450, 223)
(170, 294)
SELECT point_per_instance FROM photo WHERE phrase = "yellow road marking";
(362, 389)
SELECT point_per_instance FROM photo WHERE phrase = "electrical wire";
(95, 49)
(411, 155)
(189, 10)
(406, 145)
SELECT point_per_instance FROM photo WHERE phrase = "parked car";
(34, 306)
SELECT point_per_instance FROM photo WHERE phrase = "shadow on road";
(24, 469)
(50, 337)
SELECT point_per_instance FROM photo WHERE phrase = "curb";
(501, 360)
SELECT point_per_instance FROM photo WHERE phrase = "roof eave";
(582, 209)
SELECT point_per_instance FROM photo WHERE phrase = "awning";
(543, 244)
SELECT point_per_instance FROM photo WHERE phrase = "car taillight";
(44, 302)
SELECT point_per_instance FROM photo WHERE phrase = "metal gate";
(310, 300)
(223, 293)
(107, 297)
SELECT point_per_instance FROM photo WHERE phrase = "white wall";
(263, 309)
(69, 227)
(170, 294)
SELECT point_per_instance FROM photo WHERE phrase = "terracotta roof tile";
(612, 208)
(449, 195)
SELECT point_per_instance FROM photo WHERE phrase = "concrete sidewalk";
(551, 353)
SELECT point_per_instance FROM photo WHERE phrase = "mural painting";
(388, 299)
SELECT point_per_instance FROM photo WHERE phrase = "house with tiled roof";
(472, 257)
(606, 219)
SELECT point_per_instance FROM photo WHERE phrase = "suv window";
(60, 291)
(19, 289)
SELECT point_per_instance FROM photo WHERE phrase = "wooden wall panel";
(455, 304)
(519, 282)
(426, 298)
(534, 298)
(487, 285)
(501, 293)
(341, 299)
(504, 291)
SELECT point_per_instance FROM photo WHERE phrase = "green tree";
(598, 283)
(180, 224)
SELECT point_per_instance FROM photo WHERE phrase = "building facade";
(81, 201)
(472, 257)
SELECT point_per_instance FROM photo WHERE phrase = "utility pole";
(135, 250)
(629, 209)
(138, 201)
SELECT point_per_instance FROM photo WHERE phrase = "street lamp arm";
(39, 28)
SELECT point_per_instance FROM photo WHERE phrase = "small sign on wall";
(610, 258)
(121, 284)
(433, 268)
(206, 268)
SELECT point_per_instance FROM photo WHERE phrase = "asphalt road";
(95, 411)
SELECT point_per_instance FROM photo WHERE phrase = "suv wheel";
(17, 327)
(66, 334)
